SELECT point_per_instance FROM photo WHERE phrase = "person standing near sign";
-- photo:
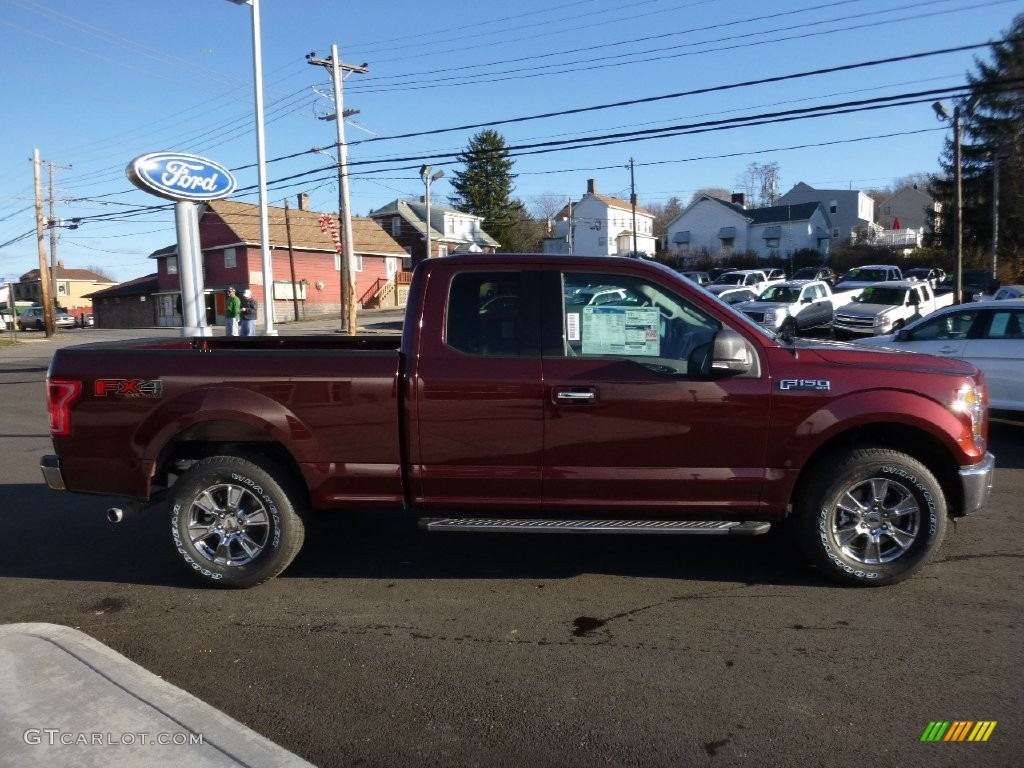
(248, 313)
(232, 311)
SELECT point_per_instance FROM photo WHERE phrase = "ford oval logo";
(179, 176)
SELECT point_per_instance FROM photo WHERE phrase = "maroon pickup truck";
(530, 393)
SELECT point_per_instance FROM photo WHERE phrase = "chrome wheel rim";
(876, 521)
(228, 525)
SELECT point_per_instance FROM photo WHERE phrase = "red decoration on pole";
(328, 224)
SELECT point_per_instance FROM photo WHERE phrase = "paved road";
(385, 646)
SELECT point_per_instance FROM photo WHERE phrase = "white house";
(851, 212)
(451, 230)
(600, 225)
(713, 227)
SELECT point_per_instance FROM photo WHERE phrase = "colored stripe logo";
(958, 730)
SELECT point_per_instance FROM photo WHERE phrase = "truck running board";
(498, 525)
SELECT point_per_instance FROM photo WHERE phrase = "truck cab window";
(625, 316)
(487, 314)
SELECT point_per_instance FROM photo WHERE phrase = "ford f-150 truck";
(507, 406)
(884, 308)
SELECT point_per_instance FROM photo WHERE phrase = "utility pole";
(291, 259)
(632, 202)
(348, 278)
(44, 273)
(52, 224)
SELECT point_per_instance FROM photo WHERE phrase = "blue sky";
(94, 84)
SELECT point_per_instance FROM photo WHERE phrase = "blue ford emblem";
(179, 176)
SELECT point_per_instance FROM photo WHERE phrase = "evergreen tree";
(992, 132)
(484, 187)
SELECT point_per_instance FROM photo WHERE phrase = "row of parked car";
(878, 305)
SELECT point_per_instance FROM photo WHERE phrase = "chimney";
(591, 187)
(304, 201)
(738, 198)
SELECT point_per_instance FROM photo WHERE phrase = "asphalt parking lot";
(383, 645)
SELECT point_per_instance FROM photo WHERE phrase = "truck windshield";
(874, 295)
(779, 293)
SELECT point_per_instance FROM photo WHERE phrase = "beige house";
(71, 286)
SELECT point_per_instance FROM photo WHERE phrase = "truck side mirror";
(731, 354)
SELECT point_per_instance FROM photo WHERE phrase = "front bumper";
(976, 483)
(50, 465)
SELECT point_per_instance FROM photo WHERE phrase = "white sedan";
(988, 334)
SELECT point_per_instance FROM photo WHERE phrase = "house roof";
(139, 286)
(611, 202)
(781, 213)
(244, 220)
(63, 273)
(415, 211)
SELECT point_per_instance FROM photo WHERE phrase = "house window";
(396, 226)
(62, 288)
(772, 242)
(602, 241)
(442, 250)
(835, 232)
(230, 260)
(833, 206)
(172, 265)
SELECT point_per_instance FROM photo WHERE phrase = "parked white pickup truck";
(795, 305)
(754, 279)
(886, 307)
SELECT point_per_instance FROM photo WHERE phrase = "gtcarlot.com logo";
(958, 730)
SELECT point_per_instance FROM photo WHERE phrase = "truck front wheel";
(870, 517)
(232, 523)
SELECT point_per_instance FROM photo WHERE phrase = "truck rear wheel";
(232, 523)
(870, 517)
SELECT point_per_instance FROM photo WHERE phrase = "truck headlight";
(970, 401)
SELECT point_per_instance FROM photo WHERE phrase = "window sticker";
(572, 326)
(610, 330)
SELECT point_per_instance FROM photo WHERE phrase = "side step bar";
(689, 527)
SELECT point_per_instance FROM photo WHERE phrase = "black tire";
(870, 517)
(232, 523)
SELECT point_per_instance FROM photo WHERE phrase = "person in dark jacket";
(248, 313)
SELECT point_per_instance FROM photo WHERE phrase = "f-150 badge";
(128, 387)
(814, 385)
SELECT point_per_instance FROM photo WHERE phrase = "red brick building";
(306, 266)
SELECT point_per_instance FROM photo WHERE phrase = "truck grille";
(855, 322)
(757, 317)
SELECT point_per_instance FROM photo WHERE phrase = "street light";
(427, 178)
(261, 169)
(942, 113)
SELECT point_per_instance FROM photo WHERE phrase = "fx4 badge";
(814, 385)
(128, 387)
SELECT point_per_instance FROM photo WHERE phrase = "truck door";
(476, 417)
(630, 425)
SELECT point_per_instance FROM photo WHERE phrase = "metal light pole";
(427, 178)
(942, 113)
(261, 169)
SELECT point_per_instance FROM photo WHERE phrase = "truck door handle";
(575, 396)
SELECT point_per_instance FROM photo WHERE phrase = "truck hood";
(865, 310)
(717, 289)
(843, 353)
(760, 306)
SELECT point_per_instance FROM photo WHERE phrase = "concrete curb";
(68, 700)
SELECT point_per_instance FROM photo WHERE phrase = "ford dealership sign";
(179, 176)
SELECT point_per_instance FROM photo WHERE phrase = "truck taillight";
(60, 395)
